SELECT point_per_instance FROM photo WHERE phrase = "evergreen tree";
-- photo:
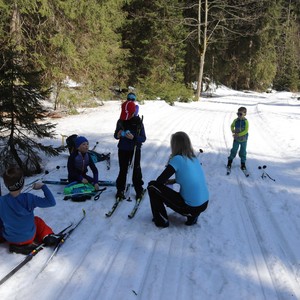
(154, 36)
(288, 48)
(21, 110)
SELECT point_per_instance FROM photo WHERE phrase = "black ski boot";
(140, 194)
(191, 221)
(229, 163)
(52, 239)
(22, 249)
(120, 195)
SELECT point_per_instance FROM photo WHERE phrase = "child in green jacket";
(239, 129)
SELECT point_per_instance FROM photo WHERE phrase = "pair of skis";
(129, 175)
(64, 181)
(133, 211)
(66, 232)
(245, 171)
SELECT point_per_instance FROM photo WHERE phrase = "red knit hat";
(128, 109)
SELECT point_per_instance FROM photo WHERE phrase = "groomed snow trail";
(245, 246)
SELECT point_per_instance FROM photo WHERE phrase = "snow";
(245, 245)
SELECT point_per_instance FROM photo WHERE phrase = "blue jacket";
(17, 217)
(134, 125)
(78, 167)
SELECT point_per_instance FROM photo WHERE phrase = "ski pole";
(129, 175)
(200, 152)
(131, 165)
(63, 140)
(29, 185)
(264, 173)
(269, 176)
(99, 192)
(262, 167)
(94, 148)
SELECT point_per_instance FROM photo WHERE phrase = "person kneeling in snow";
(79, 161)
(20, 228)
(193, 196)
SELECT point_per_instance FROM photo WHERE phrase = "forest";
(161, 47)
(165, 49)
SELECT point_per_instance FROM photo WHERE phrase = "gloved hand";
(124, 132)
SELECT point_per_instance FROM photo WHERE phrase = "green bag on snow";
(78, 188)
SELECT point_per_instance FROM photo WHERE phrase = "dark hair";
(243, 109)
(13, 178)
(181, 145)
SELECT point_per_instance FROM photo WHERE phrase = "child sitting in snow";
(18, 225)
(131, 134)
(239, 129)
(79, 161)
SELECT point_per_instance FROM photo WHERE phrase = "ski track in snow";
(245, 246)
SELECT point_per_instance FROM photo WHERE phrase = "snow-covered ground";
(246, 245)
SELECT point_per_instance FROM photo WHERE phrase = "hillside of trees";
(167, 49)
(158, 46)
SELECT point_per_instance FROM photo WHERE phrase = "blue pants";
(242, 153)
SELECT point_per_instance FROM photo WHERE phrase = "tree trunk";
(202, 42)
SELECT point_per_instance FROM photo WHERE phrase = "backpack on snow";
(79, 192)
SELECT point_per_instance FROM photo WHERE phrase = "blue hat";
(79, 140)
(131, 96)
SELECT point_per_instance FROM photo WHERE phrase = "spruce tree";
(288, 49)
(154, 36)
(22, 115)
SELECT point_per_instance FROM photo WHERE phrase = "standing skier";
(239, 129)
(21, 229)
(131, 134)
(192, 199)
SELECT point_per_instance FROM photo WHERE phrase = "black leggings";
(160, 194)
(125, 158)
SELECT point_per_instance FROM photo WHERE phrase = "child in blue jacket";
(20, 228)
(131, 133)
(78, 164)
(239, 129)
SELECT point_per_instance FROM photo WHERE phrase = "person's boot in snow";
(229, 163)
(191, 221)
(243, 166)
(120, 195)
(22, 249)
(52, 239)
